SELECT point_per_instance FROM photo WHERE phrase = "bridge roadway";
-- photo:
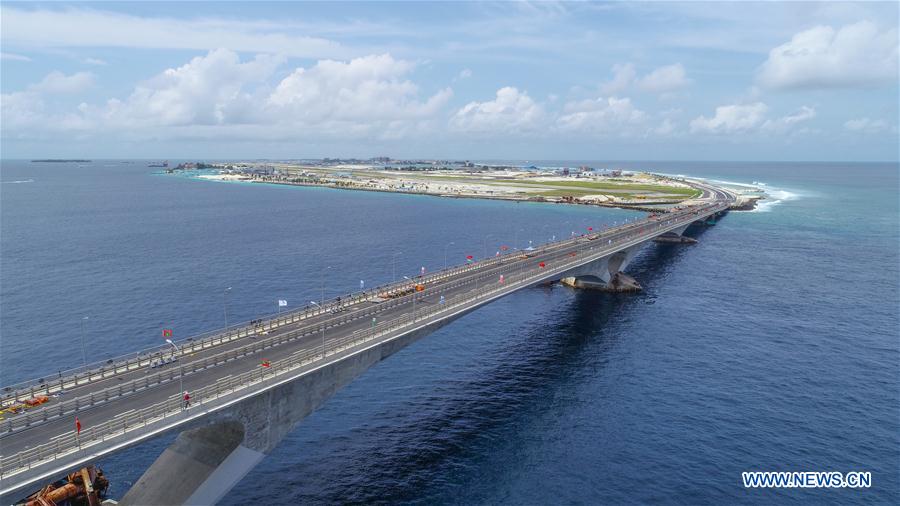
(146, 386)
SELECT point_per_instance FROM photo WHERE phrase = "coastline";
(749, 203)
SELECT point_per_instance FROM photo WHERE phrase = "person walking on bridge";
(187, 400)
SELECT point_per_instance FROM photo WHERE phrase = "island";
(55, 160)
(643, 190)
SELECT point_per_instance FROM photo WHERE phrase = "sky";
(450, 80)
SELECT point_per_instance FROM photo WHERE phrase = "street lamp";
(484, 245)
(413, 296)
(323, 283)
(323, 329)
(225, 304)
(394, 265)
(180, 368)
(445, 252)
(516, 238)
(83, 353)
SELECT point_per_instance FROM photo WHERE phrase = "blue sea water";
(770, 345)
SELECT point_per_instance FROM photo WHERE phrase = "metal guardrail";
(99, 371)
(138, 419)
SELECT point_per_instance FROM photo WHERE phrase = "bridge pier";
(675, 237)
(205, 462)
(606, 273)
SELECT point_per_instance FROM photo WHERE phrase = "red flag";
(501, 278)
(265, 363)
(77, 426)
(504, 248)
(469, 258)
(167, 332)
(590, 228)
(542, 265)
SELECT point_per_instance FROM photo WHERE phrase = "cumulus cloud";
(57, 82)
(366, 88)
(208, 90)
(512, 111)
(663, 79)
(623, 76)
(219, 95)
(600, 116)
(866, 125)
(744, 118)
(822, 57)
(731, 118)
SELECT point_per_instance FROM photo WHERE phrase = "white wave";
(773, 198)
(18, 182)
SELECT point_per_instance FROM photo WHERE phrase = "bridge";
(252, 383)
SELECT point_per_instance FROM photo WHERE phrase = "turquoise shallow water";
(770, 345)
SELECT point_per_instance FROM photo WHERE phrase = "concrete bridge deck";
(122, 403)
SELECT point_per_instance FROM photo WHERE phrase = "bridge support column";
(675, 237)
(192, 469)
(606, 273)
(204, 463)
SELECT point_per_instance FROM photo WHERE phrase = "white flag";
(282, 303)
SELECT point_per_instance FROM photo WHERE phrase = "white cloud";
(371, 88)
(822, 57)
(14, 57)
(664, 79)
(207, 90)
(94, 61)
(866, 125)
(787, 122)
(600, 116)
(747, 118)
(465, 74)
(731, 118)
(512, 111)
(57, 82)
(666, 128)
(218, 95)
(79, 27)
(623, 76)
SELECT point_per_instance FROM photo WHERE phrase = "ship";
(163, 165)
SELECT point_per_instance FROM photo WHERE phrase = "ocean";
(771, 345)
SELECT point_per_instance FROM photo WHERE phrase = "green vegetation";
(687, 192)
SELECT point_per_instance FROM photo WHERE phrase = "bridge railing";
(98, 371)
(216, 338)
(112, 367)
(145, 419)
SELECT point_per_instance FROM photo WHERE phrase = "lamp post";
(225, 304)
(516, 238)
(484, 245)
(83, 352)
(413, 296)
(323, 283)
(394, 265)
(451, 243)
(323, 329)
(180, 368)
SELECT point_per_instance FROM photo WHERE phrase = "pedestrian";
(187, 400)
